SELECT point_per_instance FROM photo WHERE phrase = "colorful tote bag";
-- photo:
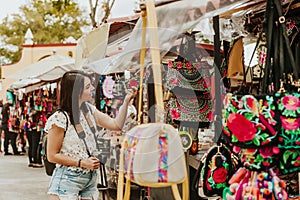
(153, 153)
(250, 121)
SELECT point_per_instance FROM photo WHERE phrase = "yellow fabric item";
(236, 60)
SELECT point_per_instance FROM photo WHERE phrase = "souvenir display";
(107, 87)
(247, 184)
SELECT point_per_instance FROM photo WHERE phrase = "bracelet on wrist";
(79, 163)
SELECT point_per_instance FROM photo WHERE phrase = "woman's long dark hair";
(71, 88)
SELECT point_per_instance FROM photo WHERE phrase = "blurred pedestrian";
(9, 137)
(1, 106)
(33, 137)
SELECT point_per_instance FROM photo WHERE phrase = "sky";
(121, 8)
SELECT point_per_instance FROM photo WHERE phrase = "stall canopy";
(25, 82)
(95, 45)
(47, 69)
(173, 19)
(92, 46)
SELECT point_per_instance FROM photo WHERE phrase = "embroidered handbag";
(249, 121)
(271, 118)
(193, 76)
(289, 131)
(191, 108)
(216, 167)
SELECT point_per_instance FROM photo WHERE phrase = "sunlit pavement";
(20, 182)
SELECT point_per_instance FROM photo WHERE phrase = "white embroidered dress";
(72, 145)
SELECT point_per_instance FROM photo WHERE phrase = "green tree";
(51, 21)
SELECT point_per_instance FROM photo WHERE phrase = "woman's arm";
(54, 143)
(115, 124)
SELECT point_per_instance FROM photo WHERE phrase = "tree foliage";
(51, 21)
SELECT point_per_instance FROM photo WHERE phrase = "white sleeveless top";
(72, 145)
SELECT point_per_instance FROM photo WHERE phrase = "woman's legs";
(36, 135)
(30, 150)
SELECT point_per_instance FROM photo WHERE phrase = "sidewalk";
(20, 182)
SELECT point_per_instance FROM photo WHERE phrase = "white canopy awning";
(24, 82)
(47, 69)
(173, 19)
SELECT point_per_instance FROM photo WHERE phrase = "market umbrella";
(47, 69)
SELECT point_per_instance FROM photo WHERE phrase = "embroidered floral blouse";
(72, 145)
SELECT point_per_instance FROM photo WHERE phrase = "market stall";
(190, 109)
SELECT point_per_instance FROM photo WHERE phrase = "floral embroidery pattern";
(192, 67)
(289, 135)
(194, 76)
(218, 173)
(249, 122)
(191, 108)
(289, 107)
(290, 160)
(259, 158)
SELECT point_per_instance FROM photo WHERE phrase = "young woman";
(71, 138)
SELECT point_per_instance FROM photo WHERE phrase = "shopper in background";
(71, 138)
(14, 129)
(33, 137)
(1, 106)
(22, 138)
(9, 137)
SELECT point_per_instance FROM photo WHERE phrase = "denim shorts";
(73, 185)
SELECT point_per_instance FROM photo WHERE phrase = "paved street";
(20, 182)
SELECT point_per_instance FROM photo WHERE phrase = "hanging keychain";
(194, 146)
